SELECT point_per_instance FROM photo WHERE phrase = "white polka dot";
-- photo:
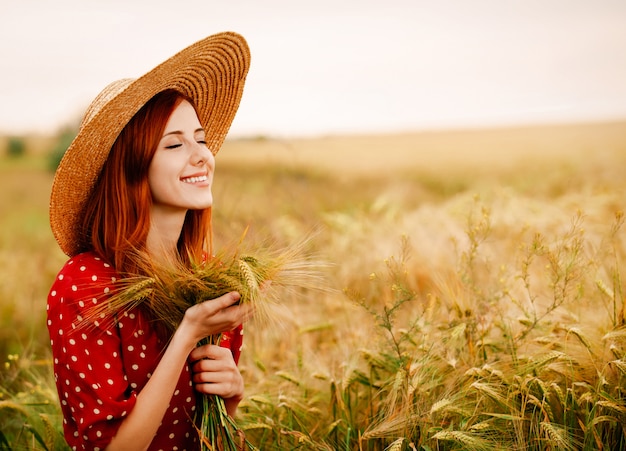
(81, 304)
(109, 417)
(106, 290)
(100, 342)
(74, 288)
(72, 341)
(53, 293)
(94, 277)
(131, 348)
(82, 268)
(98, 434)
(82, 375)
(135, 367)
(110, 381)
(171, 436)
(107, 365)
(96, 411)
(61, 276)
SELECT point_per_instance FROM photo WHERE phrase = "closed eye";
(173, 146)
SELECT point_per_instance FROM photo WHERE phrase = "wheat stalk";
(166, 291)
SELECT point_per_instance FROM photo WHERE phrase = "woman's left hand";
(215, 372)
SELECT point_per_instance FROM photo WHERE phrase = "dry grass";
(478, 275)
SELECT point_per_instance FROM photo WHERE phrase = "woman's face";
(181, 172)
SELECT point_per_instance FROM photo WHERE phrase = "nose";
(200, 155)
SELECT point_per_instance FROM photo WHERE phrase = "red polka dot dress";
(100, 367)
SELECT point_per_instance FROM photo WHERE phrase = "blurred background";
(329, 67)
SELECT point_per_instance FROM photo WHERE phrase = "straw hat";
(211, 72)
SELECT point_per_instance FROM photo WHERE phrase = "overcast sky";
(330, 66)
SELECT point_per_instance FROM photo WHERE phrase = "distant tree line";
(54, 148)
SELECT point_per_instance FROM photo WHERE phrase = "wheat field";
(474, 297)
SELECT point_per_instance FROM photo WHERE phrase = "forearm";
(138, 430)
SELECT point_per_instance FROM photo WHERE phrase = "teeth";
(202, 178)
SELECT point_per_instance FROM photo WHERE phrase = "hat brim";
(211, 72)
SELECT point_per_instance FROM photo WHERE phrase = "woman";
(137, 180)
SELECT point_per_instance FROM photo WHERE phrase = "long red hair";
(117, 217)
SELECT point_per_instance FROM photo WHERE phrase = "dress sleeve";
(233, 340)
(93, 389)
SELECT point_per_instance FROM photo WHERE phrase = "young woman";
(137, 180)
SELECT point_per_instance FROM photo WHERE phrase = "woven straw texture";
(212, 72)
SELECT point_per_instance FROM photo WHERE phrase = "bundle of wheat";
(165, 291)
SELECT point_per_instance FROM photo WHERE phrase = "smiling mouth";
(202, 178)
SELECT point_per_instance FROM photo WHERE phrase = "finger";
(223, 301)
(230, 298)
(208, 370)
(223, 389)
(224, 384)
(209, 352)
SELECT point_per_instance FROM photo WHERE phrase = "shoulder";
(87, 261)
(79, 288)
(85, 275)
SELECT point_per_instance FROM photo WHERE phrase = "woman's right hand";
(214, 316)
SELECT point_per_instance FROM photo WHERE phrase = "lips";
(195, 179)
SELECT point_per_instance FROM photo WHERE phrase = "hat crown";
(111, 91)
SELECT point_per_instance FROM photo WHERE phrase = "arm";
(138, 429)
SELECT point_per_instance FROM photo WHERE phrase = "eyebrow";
(179, 132)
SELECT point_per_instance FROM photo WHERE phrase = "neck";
(165, 230)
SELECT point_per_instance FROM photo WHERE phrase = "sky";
(330, 66)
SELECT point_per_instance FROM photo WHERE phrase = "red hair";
(117, 216)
